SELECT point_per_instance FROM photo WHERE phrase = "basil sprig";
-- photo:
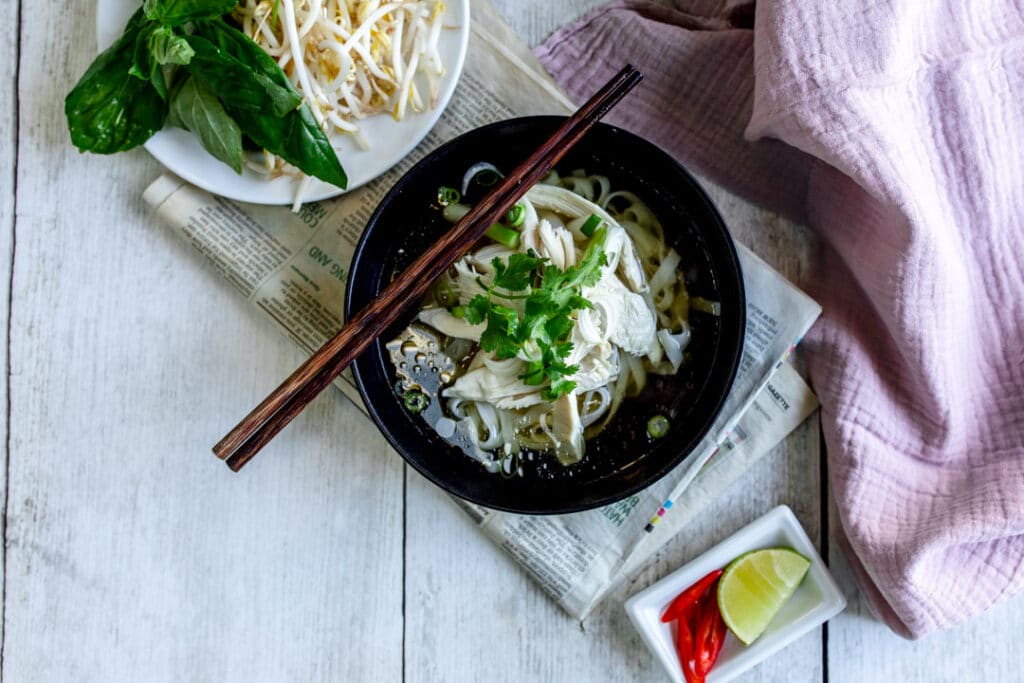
(180, 62)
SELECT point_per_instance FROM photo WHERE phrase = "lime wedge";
(755, 586)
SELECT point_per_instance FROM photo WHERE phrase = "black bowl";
(622, 459)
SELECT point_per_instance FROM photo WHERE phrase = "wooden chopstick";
(303, 385)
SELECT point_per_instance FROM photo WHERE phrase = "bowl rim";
(735, 351)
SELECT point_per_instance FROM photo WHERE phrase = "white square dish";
(815, 601)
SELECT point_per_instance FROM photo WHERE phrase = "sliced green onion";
(446, 196)
(483, 174)
(453, 213)
(415, 401)
(590, 225)
(459, 311)
(657, 426)
(503, 235)
(486, 178)
(515, 216)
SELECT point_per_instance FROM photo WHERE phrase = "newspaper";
(293, 267)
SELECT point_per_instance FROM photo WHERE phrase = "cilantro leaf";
(476, 311)
(500, 335)
(534, 375)
(553, 277)
(563, 350)
(559, 327)
(562, 386)
(587, 272)
(540, 305)
(556, 369)
(579, 303)
(518, 274)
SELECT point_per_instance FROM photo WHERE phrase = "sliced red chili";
(708, 638)
(685, 649)
(719, 637)
(689, 597)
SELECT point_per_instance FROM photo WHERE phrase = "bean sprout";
(350, 59)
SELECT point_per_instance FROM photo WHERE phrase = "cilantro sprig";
(550, 298)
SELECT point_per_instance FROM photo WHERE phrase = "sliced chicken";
(597, 367)
(444, 322)
(466, 284)
(482, 259)
(551, 242)
(618, 316)
(564, 202)
(567, 430)
(619, 249)
(503, 390)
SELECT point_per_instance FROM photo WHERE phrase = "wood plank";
(8, 167)
(133, 553)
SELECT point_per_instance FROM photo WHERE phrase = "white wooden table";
(131, 554)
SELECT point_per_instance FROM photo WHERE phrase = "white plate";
(389, 140)
(815, 601)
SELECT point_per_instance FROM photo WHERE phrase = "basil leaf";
(136, 22)
(240, 46)
(166, 47)
(307, 147)
(266, 131)
(297, 139)
(157, 80)
(249, 89)
(146, 65)
(109, 110)
(198, 109)
(140, 57)
(178, 12)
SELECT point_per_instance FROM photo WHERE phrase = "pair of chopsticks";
(303, 385)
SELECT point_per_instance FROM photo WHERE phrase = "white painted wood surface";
(131, 554)
(8, 165)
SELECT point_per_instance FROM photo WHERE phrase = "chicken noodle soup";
(530, 343)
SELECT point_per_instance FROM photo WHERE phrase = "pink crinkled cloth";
(895, 129)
